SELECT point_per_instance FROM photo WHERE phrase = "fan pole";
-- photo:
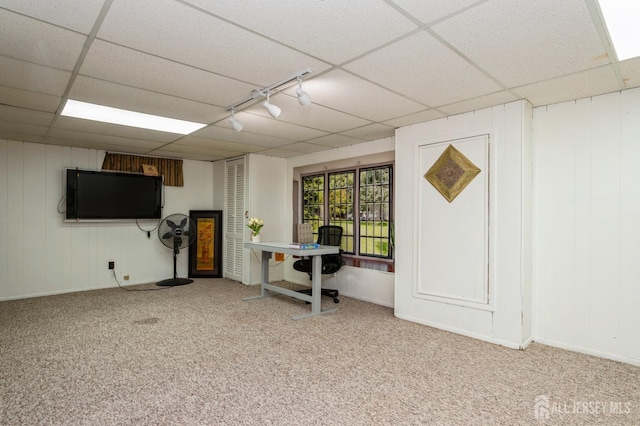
(175, 269)
(172, 282)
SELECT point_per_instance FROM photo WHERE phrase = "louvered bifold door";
(234, 219)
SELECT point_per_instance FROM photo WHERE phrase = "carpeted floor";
(198, 355)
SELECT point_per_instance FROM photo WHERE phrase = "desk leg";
(316, 290)
(316, 285)
(266, 256)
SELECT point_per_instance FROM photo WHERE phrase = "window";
(331, 198)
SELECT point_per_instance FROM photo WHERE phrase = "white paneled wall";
(587, 225)
(41, 254)
(506, 317)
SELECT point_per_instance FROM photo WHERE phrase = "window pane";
(313, 201)
(341, 200)
(375, 198)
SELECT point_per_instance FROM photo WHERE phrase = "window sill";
(385, 265)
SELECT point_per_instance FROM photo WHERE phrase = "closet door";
(235, 190)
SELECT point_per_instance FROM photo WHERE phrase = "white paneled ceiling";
(375, 65)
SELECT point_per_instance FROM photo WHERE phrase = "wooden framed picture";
(205, 254)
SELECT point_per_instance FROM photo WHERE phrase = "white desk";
(316, 272)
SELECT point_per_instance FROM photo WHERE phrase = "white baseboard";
(526, 343)
(68, 290)
(587, 351)
(483, 337)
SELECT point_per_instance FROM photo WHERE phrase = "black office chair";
(329, 236)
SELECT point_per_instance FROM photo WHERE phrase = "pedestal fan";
(176, 231)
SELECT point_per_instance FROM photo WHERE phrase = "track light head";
(237, 126)
(273, 110)
(303, 97)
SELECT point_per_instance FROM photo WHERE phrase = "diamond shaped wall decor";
(451, 173)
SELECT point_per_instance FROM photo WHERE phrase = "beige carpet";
(198, 354)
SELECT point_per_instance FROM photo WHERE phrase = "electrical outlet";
(126, 277)
(279, 257)
(112, 265)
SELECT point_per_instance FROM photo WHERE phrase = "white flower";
(255, 224)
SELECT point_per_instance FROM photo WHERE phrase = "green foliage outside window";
(367, 191)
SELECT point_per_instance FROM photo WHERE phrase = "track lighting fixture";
(237, 126)
(303, 97)
(274, 110)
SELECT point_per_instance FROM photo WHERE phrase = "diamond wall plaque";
(451, 173)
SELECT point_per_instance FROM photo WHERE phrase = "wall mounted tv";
(98, 195)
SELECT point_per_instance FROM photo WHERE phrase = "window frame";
(356, 219)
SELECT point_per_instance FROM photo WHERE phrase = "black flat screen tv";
(98, 195)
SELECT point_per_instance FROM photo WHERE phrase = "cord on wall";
(136, 289)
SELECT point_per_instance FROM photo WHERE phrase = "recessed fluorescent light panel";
(622, 18)
(105, 114)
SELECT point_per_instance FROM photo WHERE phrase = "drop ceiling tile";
(343, 91)
(246, 137)
(279, 152)
(305, 148)
(522, 41)
(630, 72)
(73, 14)
(423, 69)
(119, 64)
(355, 25)
(30, 100)
(28, 129)
(27, 116)
(419, 117)
(38, 42)
(335, 141)
(97, 140)
(32, 77)
(199, 150)
(174, 31)
(580, 85)
(93, 144)
(118, 96)
(168, 153)
(219, 145)
(371, 132)
(432, 10)
(498, 98)
(313, 115)
(96, 127)
(20, 137)
(275, 127)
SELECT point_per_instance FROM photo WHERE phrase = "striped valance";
(171, 169)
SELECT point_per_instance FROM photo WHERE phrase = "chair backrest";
(305, 233)
(330, 235)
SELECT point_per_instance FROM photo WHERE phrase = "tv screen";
(96, 195)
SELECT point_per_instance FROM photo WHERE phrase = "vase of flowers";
(255, 224)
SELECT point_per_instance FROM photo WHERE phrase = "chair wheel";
(336, 301)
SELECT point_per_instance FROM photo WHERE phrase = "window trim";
(356, 257)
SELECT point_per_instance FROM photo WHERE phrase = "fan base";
(172, 282)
